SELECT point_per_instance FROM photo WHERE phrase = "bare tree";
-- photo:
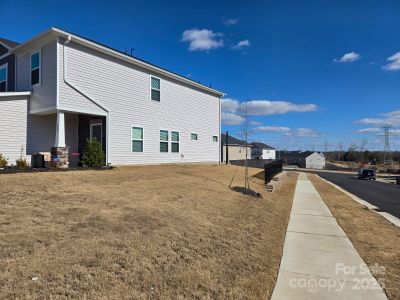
(363, 143)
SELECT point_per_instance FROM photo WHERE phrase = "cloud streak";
(271, 129)
(394, 63)
(348, 57)
(242, 44)
(202, 39)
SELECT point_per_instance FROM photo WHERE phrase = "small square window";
(215, 138)
(193, 136)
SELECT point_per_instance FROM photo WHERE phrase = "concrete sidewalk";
(319, 261)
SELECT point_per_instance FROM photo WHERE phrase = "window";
(3, 78)
(174, 141)
(163, 141)
(155, 88)
(96, 132)
(215, 138)
(193, 136)
(35, 68)
(137, 139)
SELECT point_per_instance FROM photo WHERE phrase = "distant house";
(306, 159)
(262, 151)
(236, 148)
(315, 161)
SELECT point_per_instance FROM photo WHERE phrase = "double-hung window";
(3, 78)
(193, 136)
(164, 140)
(35, 68)
(175, 141)
(155, 89)
(137, 139)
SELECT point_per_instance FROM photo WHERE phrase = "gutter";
(10, 94)
(67, 82)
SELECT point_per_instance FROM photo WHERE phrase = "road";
(383, 195)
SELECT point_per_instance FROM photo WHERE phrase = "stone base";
(59, 158)
(277, 182)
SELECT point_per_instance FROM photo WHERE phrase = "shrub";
(93, 155)
(21, 163)
(3, 161)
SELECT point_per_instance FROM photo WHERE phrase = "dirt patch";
(375, 238)
(154, 232)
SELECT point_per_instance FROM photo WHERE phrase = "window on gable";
(193, 136)
(174, 141)
(3, 78)
(164, 141)
(155, 89)
(35, 68)
(137, 139)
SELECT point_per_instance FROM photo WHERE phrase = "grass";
(154, 232)
(375, 238)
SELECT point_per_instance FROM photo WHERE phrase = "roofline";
(6, 46)
(112, 52)
(8, 94)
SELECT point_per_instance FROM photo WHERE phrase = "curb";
(392, 219)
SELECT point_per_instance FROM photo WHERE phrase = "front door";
(96, 131)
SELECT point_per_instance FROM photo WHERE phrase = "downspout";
(69, 38)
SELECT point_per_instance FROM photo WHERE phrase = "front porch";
(64, 134)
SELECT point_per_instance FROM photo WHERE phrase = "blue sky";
(312, 71)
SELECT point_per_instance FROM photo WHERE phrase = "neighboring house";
(306, 159)
(315, 161)
(60, 89)
(236, 148)
(262, 151)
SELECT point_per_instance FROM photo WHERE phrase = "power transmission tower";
(386, 152)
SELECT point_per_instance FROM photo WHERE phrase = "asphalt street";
(383, 195)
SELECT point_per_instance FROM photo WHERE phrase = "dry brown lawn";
(154, 232)
(375, 238)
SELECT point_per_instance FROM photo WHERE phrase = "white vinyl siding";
(123, 89)
(13, 128)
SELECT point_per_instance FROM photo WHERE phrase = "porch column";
(60, 130)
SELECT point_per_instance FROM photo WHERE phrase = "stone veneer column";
(59, 153)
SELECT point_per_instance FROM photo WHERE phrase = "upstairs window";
(137, 139)
(175, 141)
(215, 138)
(164, 140)
(35, 68)
(193, 136)
(3, 78)
(155, 88)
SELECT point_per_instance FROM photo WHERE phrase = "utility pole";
(341, 151)
(386, 152)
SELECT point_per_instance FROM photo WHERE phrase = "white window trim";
(91, 132)
(151, 88)
(197, 136)
(137, 126)
(178, 142)
(40, 67)
(167, 141)
(213, 138)
(5, 66)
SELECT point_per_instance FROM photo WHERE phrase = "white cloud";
(272, 129)
(231, 119)
(267, 107)
(230, 105)
(369, 130)
(390, 118)
(255, 123)
(348, 57)
(394, 64)
(230, 22)
(304, 132)
(241, 44)
(202, 40)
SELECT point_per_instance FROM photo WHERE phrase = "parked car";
(367, 174)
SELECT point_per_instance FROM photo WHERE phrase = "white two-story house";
(66, 89)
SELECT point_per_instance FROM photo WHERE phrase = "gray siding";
(124, 90)
(13, 128)
(44, 95)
